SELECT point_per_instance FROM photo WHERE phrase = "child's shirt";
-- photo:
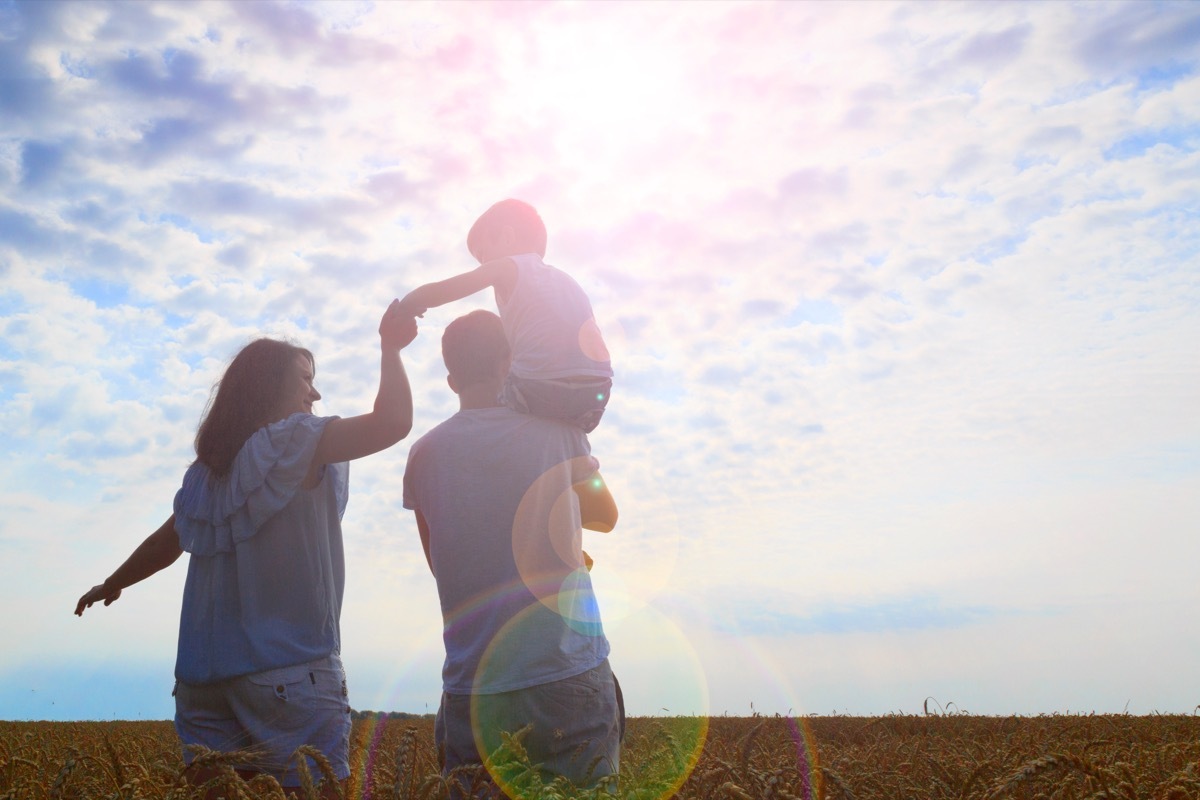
(549, 324)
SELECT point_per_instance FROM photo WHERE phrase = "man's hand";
(95, 595)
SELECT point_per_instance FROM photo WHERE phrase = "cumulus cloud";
(895, 293)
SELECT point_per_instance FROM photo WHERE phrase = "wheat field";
(956, 756)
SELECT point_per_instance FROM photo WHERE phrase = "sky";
(903, 301)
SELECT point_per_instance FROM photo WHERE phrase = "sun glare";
(597, 91)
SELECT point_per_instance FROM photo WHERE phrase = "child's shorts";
(271, 714)
(577, 401)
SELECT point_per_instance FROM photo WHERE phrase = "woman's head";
(268, 380)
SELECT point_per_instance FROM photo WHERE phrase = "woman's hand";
(397, 328)
(95, 595)
(159, 551)
(390, 420)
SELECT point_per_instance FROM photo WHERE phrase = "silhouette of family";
(500, 491)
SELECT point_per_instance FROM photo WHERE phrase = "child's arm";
(159, 551)
(597, 509)
(500, 273)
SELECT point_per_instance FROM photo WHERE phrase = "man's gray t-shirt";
(495, 489)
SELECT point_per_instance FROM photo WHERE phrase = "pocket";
(577, 692)
(285, 696)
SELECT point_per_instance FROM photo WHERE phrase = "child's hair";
(247, 397)
(475, 348)
(528, 229)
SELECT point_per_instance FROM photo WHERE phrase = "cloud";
(900, 302)
(771, 615)
(24, 232)
(1137, 36)
(993, 50)
(392, 187)
(175, 75)
(102, 214)
(40, 161)
(164, 138)
(26, 93)
(246, 201)
(289, 27)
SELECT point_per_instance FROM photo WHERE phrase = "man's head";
(509, 228)
(476, 353)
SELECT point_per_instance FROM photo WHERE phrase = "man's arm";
(597, 509)
(423, 530)
(160, 550)
(500, 273)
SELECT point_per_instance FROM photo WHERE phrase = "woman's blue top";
(267, 571)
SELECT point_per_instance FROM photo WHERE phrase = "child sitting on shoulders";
(560, 366)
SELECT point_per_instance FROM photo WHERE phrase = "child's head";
(509, 228)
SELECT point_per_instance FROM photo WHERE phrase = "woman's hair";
(529, 232)
(247, 397)
(474, 347)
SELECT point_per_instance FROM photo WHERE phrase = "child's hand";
(411, 308)
(397, 329)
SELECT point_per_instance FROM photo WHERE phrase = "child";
(560, 367)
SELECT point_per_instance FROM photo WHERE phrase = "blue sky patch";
(114, 689)
(1136, 144)
(202, 233)
(105, 294)
(999, 247)
(1162, 76)
(814, 312)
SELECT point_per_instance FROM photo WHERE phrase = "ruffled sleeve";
(212, 516)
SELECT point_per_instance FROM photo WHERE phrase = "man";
(500, 498)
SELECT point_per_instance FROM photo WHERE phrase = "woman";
(258, 665)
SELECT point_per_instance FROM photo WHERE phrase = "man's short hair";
(475, 348)
(526, 223)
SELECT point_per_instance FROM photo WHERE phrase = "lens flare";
(591, 343)
(549, 513)
(808, 765)
(516, 643)
(671, 684)
(775, 688)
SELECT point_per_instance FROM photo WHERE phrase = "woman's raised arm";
(391, 418)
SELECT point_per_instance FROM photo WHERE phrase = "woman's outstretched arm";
(159, 551)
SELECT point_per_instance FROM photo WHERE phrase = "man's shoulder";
(469, 423)
(434, 434)
(500, 422)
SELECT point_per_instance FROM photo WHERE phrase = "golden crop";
(956, 756)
